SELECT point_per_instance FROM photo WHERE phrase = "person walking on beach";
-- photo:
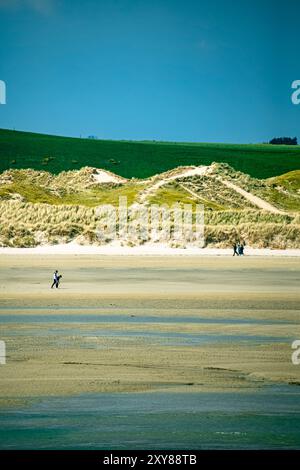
(235, 250)
(241, 249)
(56, 279)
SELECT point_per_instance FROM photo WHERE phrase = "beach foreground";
(135, 324)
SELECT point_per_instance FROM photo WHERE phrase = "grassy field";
(139, 159)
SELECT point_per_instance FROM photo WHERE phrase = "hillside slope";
(39, 207)
(218, 186)
(139, 159)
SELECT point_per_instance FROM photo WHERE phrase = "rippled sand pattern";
(129, 324)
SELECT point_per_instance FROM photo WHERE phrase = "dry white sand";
(148, 249)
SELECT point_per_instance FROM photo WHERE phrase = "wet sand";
(228, 324)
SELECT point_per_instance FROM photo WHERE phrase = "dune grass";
(90, 197)
(290, 180)
(26, 224)
(175, 193)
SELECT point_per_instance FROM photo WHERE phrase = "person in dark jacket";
(56, 279)
(235, 249)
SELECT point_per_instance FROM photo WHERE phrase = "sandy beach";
(147, 249)
(148, 323)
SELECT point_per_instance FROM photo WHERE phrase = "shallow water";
(129, 318)
(70, 330)
(59, 332)
(266, 419)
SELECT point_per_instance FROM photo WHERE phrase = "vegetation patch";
(139, 159)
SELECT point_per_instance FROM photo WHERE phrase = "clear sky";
(179, 70)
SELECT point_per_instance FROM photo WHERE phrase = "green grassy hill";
(139, 159)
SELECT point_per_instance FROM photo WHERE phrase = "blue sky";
(206, 70)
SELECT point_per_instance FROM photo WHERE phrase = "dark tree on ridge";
(284, 141)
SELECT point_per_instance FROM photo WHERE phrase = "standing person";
(55, 279)
(241, 249)
(235, 250)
